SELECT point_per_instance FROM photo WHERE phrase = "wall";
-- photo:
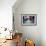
(29, 32)
(43, 22)
(6, 13)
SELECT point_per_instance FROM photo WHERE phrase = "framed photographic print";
(29, 19)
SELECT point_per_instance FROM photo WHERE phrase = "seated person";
(18, 40)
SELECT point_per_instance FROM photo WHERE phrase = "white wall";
(43, 22)
(31, 32)
(6, 13)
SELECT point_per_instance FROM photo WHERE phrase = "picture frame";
(29, 19)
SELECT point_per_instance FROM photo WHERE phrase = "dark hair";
(34, 44)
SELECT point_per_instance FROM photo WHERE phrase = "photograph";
(29, 19)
